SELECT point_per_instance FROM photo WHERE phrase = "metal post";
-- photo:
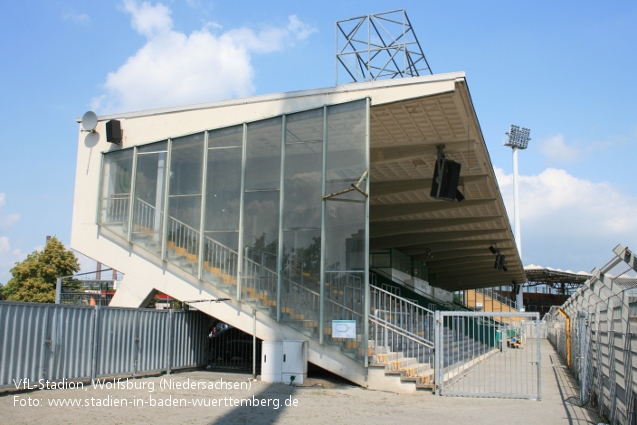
(366, 304)
(519, 296)
(240, 254)
(539, 358)
(164, 231)
(254, 343)
(202, 220)
(279, 261)
(95, 345)
(518, 139)
(131, 197)
(438, 360)
(58, 290)
(169, 346)
(323, 233)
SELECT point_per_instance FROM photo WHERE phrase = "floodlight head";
(518, 137)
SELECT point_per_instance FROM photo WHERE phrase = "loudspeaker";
(114, 132)
(499, 262)
(445, 181)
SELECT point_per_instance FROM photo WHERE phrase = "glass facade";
(114, 207)
(150, 187)
(265, 211)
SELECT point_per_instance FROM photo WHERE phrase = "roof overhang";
(452, 238)
(410, 119)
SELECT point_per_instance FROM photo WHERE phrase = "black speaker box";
(114, 132)
(499, 262)
(445, 182)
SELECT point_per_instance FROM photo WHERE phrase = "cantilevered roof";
(452, 238)
(410, 118)
(548, 275)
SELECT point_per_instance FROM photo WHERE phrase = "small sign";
(478, 304)
(343, 328)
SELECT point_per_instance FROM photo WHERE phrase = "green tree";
(34, 279)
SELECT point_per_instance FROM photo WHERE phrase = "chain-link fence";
(593, 332)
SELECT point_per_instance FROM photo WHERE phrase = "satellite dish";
(89, 121)
(91, 139)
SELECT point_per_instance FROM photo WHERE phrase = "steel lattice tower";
(379, 46)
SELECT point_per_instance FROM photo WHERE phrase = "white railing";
(220, 260)
(489, 292)
(184, 239)
(400, 314)
(429, 296)
(147, 220)
(115, 209)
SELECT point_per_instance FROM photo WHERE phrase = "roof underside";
(452, 238)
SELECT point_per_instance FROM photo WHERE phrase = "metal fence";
(89, 289)
(79, 343)
(593, 332)
(488, 354)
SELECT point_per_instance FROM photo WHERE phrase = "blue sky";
(563, 69)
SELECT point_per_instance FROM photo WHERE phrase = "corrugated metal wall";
(55, 342)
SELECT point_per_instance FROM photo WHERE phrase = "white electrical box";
(294, 361)
(271, 361)
(281, 360)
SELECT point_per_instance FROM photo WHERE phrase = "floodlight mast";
(518, 139)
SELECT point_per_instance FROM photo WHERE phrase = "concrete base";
(377, 380)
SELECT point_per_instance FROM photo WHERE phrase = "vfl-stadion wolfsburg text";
(164, 384)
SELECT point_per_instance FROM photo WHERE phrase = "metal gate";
(231, 348)
(488, 354)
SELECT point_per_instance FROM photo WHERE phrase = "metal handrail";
(383, 323)
(404, 314)
(116, 208)
(344, 307)
(376, 288)
(416, 290)
(488, 292)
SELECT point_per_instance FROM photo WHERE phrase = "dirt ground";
(212, 397)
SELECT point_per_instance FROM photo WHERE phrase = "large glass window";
(150, 186)
(302, 219)
(223, 198)
(263, 155)
(116, 183)
(345, 216)
(346, 149)
(280, 212)
(184, 202)
(261, 211)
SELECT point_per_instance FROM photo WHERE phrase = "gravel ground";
(211, 397)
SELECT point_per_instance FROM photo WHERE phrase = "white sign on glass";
(343, 328)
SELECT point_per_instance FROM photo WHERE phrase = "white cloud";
(556, 150)
(175, 68)
(7, 220)
(300, 29)
(78, 18)
(563, 216)
(8, 257)
(149, 20)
